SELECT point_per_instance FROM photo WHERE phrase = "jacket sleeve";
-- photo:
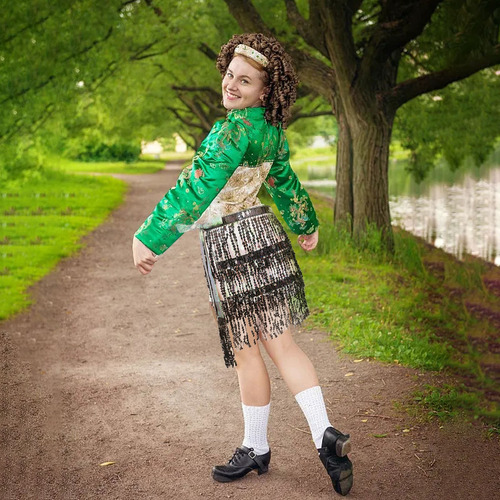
(196, 186)
(287, 192)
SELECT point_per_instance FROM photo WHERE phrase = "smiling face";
(243, 85)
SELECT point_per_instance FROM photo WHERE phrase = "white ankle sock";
(313, 405)
(256, 418)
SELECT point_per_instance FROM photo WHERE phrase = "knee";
(280, 347)
(247, 356)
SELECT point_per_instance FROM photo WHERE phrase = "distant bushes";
(101, 151)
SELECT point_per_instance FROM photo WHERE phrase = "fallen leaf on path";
(349, 374)
(364, 420)
(104, 464)
(358, 360)
(406, 430)
(380, 435)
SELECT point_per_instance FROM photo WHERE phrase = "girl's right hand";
(308, 241)
(144, 258)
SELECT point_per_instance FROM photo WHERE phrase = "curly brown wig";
(280, 77)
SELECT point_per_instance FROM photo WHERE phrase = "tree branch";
(138, 55)
(340, 42)
(211, 106)
(43, 116)
(22, 30)
(308, 30)
(196, 110)
(152, 54)
(27, 89)
(247, 17)
(91, 46)
(414, 60)
(312, 114)
(108, 71)
(400, 21)
(183, 120)
(208, 90)
(47, 112)
(124, 4)
(14, 130)
(409, 89)
(313, 73)
(205, 49)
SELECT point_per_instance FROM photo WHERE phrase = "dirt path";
(112, 366)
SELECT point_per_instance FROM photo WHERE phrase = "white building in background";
(180, 145)
(151, 148)
(155, 148)
(318, 141)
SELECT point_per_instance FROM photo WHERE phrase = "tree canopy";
(369, 58)
(124, 70)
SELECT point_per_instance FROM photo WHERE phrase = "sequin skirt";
(254, 280)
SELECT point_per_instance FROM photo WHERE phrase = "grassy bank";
(43, 220)
(45, 215)
(398, 309)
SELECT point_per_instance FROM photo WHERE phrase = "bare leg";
(300, 376)
(255, 386)
(293, 364)
(255, 390)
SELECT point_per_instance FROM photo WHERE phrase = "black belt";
(244, 214)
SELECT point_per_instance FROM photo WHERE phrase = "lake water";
(456, 211)
(460, 218)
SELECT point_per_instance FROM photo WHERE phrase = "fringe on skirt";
(254, 280)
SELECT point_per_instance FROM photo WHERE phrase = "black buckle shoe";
(333, 454)
(243, 461)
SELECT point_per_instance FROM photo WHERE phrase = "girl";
(255, 284)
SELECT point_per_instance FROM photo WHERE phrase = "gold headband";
(247, 51)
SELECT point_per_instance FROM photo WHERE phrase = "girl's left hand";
(308, 241)
(144, 258)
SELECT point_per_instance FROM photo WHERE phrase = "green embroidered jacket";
(238, 155)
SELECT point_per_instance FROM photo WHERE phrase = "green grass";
(449, 401)
(45, 215)
(169, 156)
(391, 308)
(144, 166)
(369, 305)
(42, 221)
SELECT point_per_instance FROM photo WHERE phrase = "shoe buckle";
(252, 454)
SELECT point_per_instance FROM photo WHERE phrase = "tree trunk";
(371, 138)
(344, 208)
